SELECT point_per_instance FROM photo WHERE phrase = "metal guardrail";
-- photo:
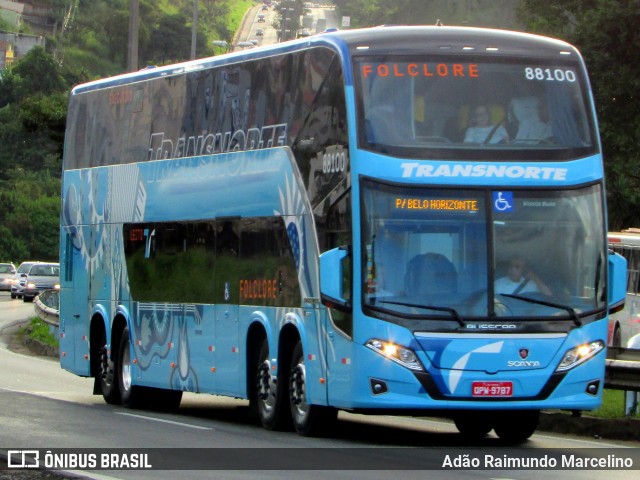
(622, 369)
(47, 307)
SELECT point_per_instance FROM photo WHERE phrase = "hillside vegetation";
(90, 42)
(91, 37)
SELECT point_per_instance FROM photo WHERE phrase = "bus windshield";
(432, 107)
(428, 252)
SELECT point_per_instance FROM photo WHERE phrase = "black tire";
(516, 427)
(473, 425)
(271, 398)
(106, 377)
(27, 299)
(308, 420)
(131, 395)
(13, 296)
(617, 337)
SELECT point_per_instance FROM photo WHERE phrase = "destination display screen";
(436, 204)
(446, 106)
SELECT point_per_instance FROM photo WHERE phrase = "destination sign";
(436, 204)
(420, 70)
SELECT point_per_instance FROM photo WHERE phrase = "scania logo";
(523, 363)
(524, 353)
(491, 326)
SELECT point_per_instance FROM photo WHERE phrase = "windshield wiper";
(572, 313)
(454, 313)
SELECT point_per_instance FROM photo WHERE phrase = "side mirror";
(332, 278)
(617, 282)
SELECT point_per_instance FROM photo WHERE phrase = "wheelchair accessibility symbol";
(503, 201)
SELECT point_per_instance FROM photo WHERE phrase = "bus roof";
(378, 40)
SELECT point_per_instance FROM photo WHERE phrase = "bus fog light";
(579, 354)
(592, 388)
(404, 356)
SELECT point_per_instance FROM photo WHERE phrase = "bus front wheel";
(516, 427)
(308, 420)
(474, 424)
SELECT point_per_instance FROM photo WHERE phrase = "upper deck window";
(452, 107)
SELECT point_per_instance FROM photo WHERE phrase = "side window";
(633, 264)
(321, 147)
(170, 262)
(266, 267)
(238, 261)
(68, 255)
(632, 256)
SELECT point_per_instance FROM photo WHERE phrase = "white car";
(19, 279)
(7, 271)
(42, 276)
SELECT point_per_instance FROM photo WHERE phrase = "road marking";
(144, 417)
(596, 443)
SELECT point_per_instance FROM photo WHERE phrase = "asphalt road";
(44, 407)
(251, 25)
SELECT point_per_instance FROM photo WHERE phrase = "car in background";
(18, 281)
(42, 276)
(7, 271)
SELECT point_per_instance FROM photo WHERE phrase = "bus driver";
(520, 279)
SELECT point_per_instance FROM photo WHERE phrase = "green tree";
(39, 73)
(29, 215)
(170, 41)
(32, 114)
(607, 32)
(479, 13)
(10, 88)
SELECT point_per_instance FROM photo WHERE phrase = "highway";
(45, 407)
(271, 17)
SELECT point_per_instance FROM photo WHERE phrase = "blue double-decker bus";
(407, 220)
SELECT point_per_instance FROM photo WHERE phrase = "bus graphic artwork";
(368, 220)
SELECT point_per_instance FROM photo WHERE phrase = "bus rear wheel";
(270, 393)
(308, 420)
(516, 427)
(130, 395)
(107, 377)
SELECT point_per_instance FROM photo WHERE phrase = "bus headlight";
(402, 355)
(579, 354)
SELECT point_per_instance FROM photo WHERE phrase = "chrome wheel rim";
(126, 369)
(266, 387)
(297, 388)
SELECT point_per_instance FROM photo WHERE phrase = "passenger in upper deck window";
(483, 131)
(526, 111)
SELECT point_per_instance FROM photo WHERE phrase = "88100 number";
(550, 75)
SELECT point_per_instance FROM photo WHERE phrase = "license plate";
(492, 389)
